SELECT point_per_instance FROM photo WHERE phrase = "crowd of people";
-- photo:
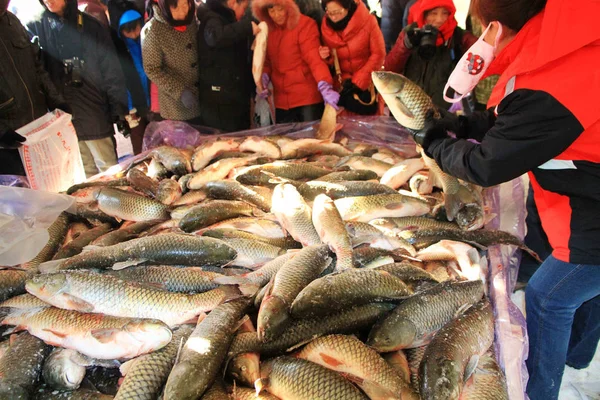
(125, 63)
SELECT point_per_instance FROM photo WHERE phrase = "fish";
(294, 215)
(146, 374)
(203, 353)
(242, 393)
(295, 378)
(353, 175)
(292, 277)
(343, 290)
(130, 206)
(142, 182)
(123, 234)
(245, 368)
(191, 197)
(219, 170)
(94, 335)
(417, 319)
(328, 125)
(91, 213)
(453, 353)
(57, 232)
(401, 172)
(408, 273)
(365, 163)
(387, 156)
(301, 148)
(360, 364)
(414, 358)
(64, 369)
(217, 391)
(398, 362)
(207, 214)
(420, 183)
(168, 192)
(332, 231)
(79, 394)
(173, 159)
(227, 233)
(24, 302)
(466, 256)
(487, 382)
(259, 55)
(302, 331)
(97, 183)
(261, 146)
(366, 208)
(262, 174)
(209, 149)
(370, 257)
(170, 278)
(362, 232)
(168, 248)
(399, 225)
(258, 226)
(251, 253)
(233, 190)
(75, 229)
(76, 245)
(407, 102)
(21, 366)
(259, 277)
(91, 292)
(340, 189)
(156, 169)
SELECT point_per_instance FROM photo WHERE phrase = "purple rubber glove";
(265, 80)
(330, 96)
(189, 99)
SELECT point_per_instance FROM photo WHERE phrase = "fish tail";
(50, 266)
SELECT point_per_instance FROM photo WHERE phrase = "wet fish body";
(130, 206)
(341, 189)
(208, 150)
(76, 245)
(124, 233)
(332, 231)
(172, 279)
(210, 213)
(366, 208)
(294, 215)
(365, 163)
(233, 190)
(251, 253)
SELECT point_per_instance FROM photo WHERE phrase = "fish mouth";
(387, 82)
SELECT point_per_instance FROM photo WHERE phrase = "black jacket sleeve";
(53, 96)
(219, 34)
(476, 125)
(532, 127)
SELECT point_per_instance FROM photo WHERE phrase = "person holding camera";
(354, 46)
(26, 91)
(428, 49)
(80, 57)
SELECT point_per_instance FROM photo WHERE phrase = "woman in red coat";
(354, 34)
(301, 79)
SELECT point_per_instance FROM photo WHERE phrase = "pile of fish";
(259, 268)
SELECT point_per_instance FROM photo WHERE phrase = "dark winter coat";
(116, 8)
(102, 98)
(26, 91)
(392, 12)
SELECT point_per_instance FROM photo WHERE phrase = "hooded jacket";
(391, 21)
(360, 46)
(293, 62)
(548, 124)
(136, 86)
(26, 91)
(431, 75)
(102, 98)
(171, 62)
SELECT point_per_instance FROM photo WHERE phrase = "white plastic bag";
(25, 216)
(51, 153)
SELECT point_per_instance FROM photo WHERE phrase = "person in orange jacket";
(353, 33)
(544, 120)
(301, 79)
(428, 49)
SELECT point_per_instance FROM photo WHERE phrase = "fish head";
(245, 368)
(60, 371)
(46, 286)
(272, 317)
(392, 334)
(150, 332)
(470, 217)
(441, 380)
(407, 102)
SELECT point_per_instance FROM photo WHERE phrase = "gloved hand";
(189, 99)
(264, 80)
(453, 123)
(330, 96)
(411, 36)
(65, 107)
(434, 129)
(11, 139)
(123, 127)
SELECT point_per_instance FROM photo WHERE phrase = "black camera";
(74, 71)
(427, 37)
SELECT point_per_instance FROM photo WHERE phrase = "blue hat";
(129, 16)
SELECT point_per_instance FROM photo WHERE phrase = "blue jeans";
(563, 323)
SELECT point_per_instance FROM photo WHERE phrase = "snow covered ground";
(576, 384)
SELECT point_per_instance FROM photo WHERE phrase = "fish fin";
(231, 280)
(242, 321)
(181, 343)
(12, 330)
(125, 264)
(452, 204)
(104, 335)
(13, 268)
(461, 310)
(127, 365)
(77, 304)
(94, 362)
(230, 293)
(404, 108)
(531, 253)
(394, 206)
(56, 333)
(91, 247)
(331, 361)
(353, 378)
(471, 366)
(260, 385)
(50, 266)
(372, 388)
(256, 212)
(300, 344)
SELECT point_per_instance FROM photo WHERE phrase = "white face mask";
(472, 66)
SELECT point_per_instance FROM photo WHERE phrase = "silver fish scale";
(173, 279)
(301, 379)
(149, 372)
(117, 202)
(21, 365)
(414, 357)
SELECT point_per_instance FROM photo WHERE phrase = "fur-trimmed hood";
(260, 11)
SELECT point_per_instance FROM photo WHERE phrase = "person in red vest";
(544, 120)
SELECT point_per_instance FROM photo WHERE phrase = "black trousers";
(226, 117)
(311, 112)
